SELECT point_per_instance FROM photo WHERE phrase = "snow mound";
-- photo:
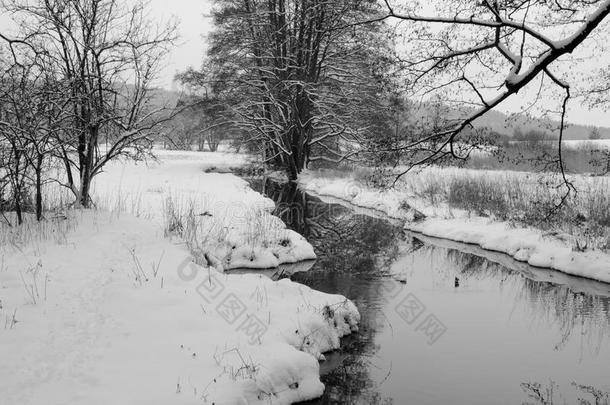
(523, 244)
(118, 313)
(266, 247)
(288, 376)
(281, 367)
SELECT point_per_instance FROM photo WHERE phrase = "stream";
(445, 322)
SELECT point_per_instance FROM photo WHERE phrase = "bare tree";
(297, 81)
(595, 134)
(33, 113)
(14, 120)
(108, 55)
(200, 120)
(488, 51)
(185, 128)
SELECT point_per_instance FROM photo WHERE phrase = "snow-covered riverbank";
(217, 212)
(525, 244)
(118, 313)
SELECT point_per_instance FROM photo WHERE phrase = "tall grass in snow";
(33, 232)
(523, 199)
(58, 220)
(212, 232)
(61, 216)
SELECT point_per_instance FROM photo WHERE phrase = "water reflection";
(505, 321)
(576, 314)
(354, 256)
(552, 394)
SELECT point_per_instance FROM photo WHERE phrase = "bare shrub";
(596, 206)
(373, 177)
(479, 195)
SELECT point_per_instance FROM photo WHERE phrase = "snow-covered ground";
(219, 211)
(524, 244)
(113, 311)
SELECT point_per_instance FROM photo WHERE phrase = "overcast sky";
(194, 25)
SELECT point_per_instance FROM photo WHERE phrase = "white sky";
(194, 25)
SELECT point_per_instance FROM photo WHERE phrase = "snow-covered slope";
(113, 311)
(119, 314)
(220, 213)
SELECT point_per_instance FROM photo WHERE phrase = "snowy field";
(404, 201)
(106, 307)
(588, 142)
(217, 212)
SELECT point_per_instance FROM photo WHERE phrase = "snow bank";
(524, 244)
(217, 212)
(260, 241)
(112, 311)
(119, 314)
(390, 202)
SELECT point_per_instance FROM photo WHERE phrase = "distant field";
(507, 123)
(597, 142)
(579, 157)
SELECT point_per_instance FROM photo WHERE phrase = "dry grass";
(208, 231)
(32, 232)
(61, 217)
(523, 199)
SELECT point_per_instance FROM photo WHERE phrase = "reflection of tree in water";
(584, 315)
(473, 266)
(354, 253)
(539, 394)
(575, 313)
(344, 242)
(351, 383)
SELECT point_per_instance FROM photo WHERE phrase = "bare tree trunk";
(38, 171)
(17, 179)
(86, 167)
(18, 209)
(200, 143)
(213, 141)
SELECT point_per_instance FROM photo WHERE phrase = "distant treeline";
(508, 125)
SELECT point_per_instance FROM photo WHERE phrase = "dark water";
(464, 326)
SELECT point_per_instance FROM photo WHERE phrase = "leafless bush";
(477, 195)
